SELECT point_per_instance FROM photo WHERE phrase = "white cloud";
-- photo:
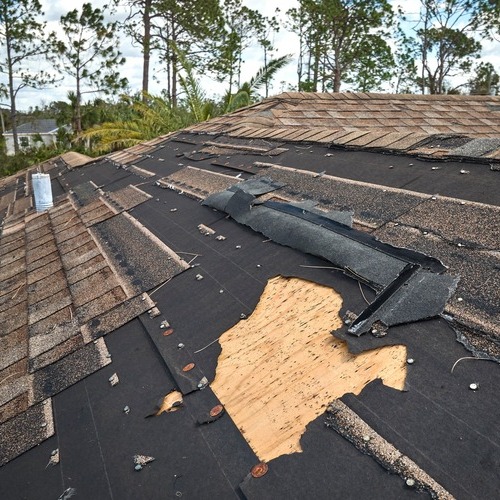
(285, 43)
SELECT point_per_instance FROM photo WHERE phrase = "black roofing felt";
(445, 427)
(213, 452)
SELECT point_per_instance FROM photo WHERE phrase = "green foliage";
(89, 54)
(11, 164)
(150, 119)
(248, 92)
(22, 41)
(343, 41)
(447, 37)
(240, 26)
(485, 81)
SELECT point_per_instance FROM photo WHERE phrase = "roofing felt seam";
(349, 425)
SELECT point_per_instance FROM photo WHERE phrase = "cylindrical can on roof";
(43, 192)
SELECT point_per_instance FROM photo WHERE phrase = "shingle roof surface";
(112, 236)
(428, 125)
(42, 126)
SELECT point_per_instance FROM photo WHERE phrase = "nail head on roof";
(410, 482)
(188, 367)
(474, 386)
(180, 346)
(259, 470)
(410, 361)
(216, 410)
(203, 383)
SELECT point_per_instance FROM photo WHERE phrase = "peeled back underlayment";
(280, 368)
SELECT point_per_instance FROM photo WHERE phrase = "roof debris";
(141, 460)
(54, 458)
(205, 230)
(114, 380)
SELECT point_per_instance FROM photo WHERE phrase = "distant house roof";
(42, 126)
(248, 283)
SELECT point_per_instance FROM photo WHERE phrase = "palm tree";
(248, 92)
(154, 117)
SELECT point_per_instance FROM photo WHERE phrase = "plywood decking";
(280, 368)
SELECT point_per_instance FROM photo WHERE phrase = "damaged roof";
(254, 308)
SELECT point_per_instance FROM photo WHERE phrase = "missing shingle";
(279, 368)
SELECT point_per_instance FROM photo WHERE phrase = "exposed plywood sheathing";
(279, 369)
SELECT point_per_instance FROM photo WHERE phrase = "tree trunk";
(12, 94)
(78, 107)
(336, 79)
(146, 49)
(174, 66)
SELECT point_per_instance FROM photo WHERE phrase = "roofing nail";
(180, 346)
(199, 277)
(173, 210)
(138, 467)
(474, 386)
(220, 237)
(433, 198)
(366, 438)
(243, 316)
(203, 383)
(216, 410)
(164, 324)
(258, 265)
(126, 409)
(459, 299)
(43, 424)
(410, 482)
(410, 361)
(259, 470)
(463, 171)
(425, 232)
(435, 168)
(410, 164)
(391, 166)
(221, 291)
(238, 247)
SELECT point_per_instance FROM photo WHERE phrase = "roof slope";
(40, 126)
(451, 126)
(147, 277)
